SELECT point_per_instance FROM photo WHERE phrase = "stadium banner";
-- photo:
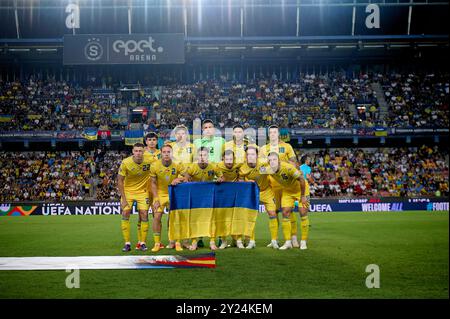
(28, 134)
(366, 204)
(212, 209)
(5, 118)
(108, 262)
(133, 137)
(34, 116)
(162, 48)
(90, 133)
(104, 134)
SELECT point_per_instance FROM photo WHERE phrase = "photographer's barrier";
(366, 204)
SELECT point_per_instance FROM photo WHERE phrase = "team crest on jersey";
(281, 149)
(262, 170)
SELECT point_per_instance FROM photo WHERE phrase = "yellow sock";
(139, 233)
(294, 224)
(286, 226)
(144, 231)
(157, 238)
(273, 227)
(194, 241)
(126, 230)
(304, 224)
(212, 240)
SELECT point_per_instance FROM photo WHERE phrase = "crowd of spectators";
(321, 101)
(380, 172)
(37, 105)
(75, 175)
(417, 100)
(312, 101)
(56, 176)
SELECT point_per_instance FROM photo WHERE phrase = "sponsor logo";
(320, 208)
(93, 50)
(437, 206)
(132, 46)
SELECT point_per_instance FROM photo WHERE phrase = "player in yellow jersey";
(133, 184)
(238, 144)
(293, 188)
(258, 172)
(183, 151)
(153, 154)
(203, 171)
(162, 174)
(230, 172)
(151, 142)
(286, 154)
(284, 150)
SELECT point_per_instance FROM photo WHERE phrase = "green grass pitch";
(411, 249)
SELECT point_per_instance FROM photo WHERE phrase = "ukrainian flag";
(208, 209)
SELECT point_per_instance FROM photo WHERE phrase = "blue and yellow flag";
(134, 136)
(208, 209)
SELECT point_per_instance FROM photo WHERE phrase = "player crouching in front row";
(203, 171)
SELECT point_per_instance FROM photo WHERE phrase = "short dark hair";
(228, 152)
(207, 121)
(238, 126)
(151, 135)
(252, 148)
(203, 148)
(139, 145)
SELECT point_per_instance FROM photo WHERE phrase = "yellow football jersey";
(284, 150)
(156, 155)
(287, 176)
(230, 174)
(136, 175)
(259, 174)
(238, 150)
(165, 175)
(183, 154)
(203, 175)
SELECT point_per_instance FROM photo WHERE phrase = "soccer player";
(238, 144)
(258, 172)
(162, 174)
(286, 154)
(132, 181)
(230, 171)
(292, 187)
(229, 167)
(304, 220)
(151, 142)
(202, 171)
(284, 150)
(154, 154)
(215, 144)
(183, 151)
